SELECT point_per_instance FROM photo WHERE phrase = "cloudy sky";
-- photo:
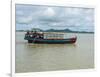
(50, 17)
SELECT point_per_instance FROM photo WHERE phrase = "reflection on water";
(49, 45)
(50, 57)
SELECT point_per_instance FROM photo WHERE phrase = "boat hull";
(52, 41)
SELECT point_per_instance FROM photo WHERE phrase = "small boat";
(48, 38)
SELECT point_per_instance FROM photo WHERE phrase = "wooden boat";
(48, 38)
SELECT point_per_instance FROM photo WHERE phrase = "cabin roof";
(53, 32)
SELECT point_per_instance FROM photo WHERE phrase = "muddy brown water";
(52, 57)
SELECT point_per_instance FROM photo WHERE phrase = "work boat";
(48, 38)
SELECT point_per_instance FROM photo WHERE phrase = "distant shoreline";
(61, 31)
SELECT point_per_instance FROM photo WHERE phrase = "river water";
(52, 57)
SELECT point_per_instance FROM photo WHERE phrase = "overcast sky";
(49, 17)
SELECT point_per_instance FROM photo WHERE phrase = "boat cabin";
(53, 35)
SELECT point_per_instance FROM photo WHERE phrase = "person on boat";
(34, 34)
(42, 35)
(27, 33)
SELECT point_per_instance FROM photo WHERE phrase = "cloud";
(49, 12)
(47, 16)
(24, 20)
(19, 12)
